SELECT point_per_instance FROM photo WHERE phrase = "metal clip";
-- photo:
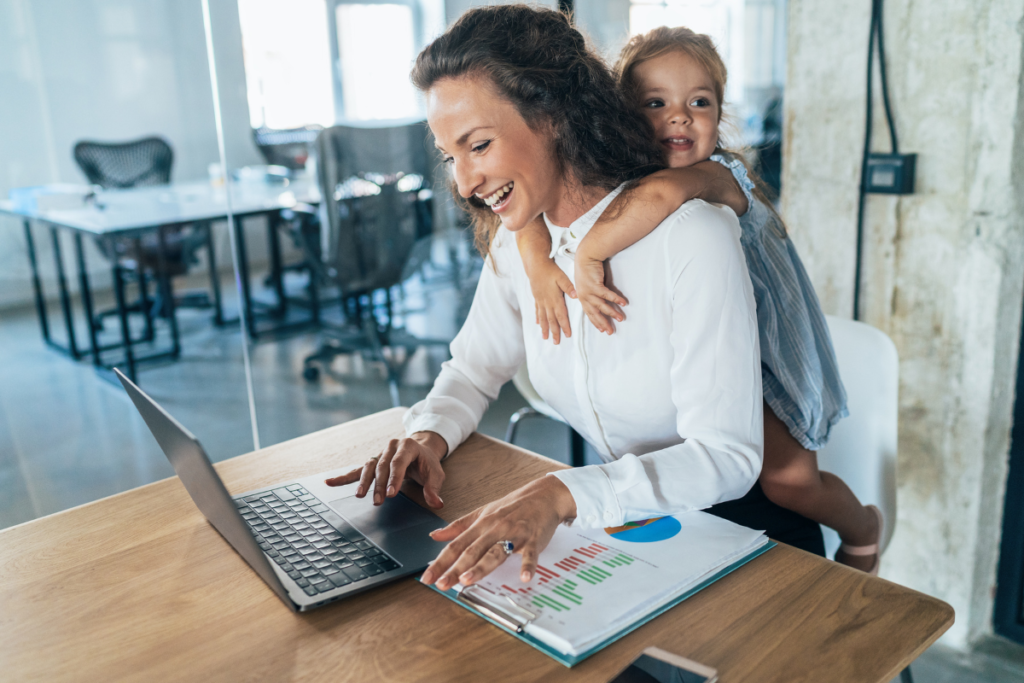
(498, 607)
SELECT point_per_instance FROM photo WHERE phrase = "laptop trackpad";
(393, 515)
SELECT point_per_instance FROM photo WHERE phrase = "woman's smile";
(499, 199)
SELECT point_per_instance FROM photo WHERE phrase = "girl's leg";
(790, 478)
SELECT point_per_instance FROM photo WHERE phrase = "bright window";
(377, 48)
(720, 19)
(287, 63)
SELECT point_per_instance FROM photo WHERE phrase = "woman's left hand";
(527, 517)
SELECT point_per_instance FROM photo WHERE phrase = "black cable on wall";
(876, 36)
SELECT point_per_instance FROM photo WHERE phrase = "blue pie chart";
(647, 530)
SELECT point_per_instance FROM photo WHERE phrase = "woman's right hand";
(417, 457)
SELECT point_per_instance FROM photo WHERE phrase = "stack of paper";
(593, 584)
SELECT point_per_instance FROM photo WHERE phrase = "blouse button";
(591, 519)
(608, 516)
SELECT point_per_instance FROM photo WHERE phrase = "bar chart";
(558, 587)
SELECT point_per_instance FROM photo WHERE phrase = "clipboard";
(513, 619)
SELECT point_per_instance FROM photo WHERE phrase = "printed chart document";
(591, 584)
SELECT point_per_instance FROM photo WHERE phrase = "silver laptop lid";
(201, 481)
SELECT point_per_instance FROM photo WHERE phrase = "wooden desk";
(139, 587)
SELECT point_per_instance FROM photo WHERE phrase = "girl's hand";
(418, 457)
(528, 517)
(601, 304)
(550, 285)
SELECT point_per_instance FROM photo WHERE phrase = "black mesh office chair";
(288, 148)
(375, 184)
(141, 163)
(122, 165)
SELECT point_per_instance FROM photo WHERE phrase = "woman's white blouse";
(671, 401)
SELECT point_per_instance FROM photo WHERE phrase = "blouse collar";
(564, 240)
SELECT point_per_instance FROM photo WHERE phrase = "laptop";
(311, 543)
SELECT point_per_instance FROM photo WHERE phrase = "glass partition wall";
(368, 278)
(113, 202)
(378, 276)
(278, 244)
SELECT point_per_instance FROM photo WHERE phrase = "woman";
(531, 123)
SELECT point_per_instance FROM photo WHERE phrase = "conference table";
(138, 586)
(109, 215)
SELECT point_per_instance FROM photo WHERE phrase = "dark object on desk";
(141, 163)
(376, 189)
(655, 665)
(288, 148)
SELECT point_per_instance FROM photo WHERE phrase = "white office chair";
(862, 447)
(540, 408)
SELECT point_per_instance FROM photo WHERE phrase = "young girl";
(678, 79)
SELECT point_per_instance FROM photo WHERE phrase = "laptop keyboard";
(313, 544)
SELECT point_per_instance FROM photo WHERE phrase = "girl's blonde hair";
(700, 48)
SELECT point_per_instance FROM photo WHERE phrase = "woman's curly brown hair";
(544, 67)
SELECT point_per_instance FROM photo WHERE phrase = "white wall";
(943, 268)
(109, 70)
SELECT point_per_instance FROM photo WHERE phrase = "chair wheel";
(311, 373)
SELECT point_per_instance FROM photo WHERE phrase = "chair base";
(577, 446)
(368, 338)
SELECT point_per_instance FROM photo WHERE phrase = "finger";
(404, 456)
(370, 470)
(451, 551)
(529, 566)
(491, 560)
(610, 310)
(344, 479)
(432, 483)
(562, 319)
(453, 530)
(556, 332)
(596, 319)
(470, 555)
(610, 295)
(367, 477)
(565, 284)
(383, 473)
(542, 318)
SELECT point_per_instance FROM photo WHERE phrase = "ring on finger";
(507, 546)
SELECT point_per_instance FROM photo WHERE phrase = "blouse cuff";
(596, 504)
(447, 428)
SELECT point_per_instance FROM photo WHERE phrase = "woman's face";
(492, 153)
(678, 97)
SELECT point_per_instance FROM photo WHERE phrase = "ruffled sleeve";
(739, 172)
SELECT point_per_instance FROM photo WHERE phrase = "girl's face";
(492, 153)
(678, 97)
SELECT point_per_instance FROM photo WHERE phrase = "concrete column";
(943, 268)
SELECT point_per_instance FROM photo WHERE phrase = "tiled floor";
(68, 437)
(992, 662)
